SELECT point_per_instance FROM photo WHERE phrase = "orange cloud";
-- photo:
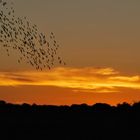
(91, 79)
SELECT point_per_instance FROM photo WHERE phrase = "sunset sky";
(100, 43)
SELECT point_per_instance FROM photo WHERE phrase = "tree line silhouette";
(98, 121)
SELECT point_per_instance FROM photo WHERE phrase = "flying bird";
(20, 35)
(4, 3)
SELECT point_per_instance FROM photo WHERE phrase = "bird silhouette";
(20, 35)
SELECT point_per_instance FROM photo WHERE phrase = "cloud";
(91, 79)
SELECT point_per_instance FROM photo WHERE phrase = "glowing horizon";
(76, 78)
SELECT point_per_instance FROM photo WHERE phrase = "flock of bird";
(20, 35)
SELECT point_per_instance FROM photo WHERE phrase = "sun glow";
(99, 79)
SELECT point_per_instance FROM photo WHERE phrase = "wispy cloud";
(92, 79)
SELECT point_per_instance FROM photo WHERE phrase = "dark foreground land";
(76, 122)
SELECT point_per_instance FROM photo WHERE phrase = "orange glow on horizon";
(101, 80)
(66, 86)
